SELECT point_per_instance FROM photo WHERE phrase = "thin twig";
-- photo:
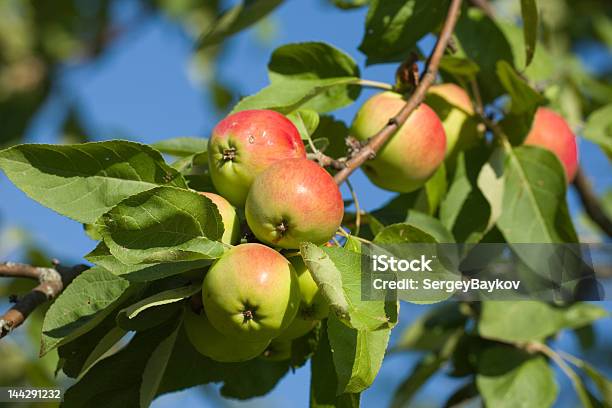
(375, 84)
(377, 141)
(52, 283)
(357, 207)
(478, 105)
(591, 203)
(326, 161)
(554, 356)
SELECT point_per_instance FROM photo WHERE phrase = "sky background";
(141, 90)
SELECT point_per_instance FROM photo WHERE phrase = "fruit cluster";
(256, 299)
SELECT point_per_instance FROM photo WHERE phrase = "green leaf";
(462, 396)
(394, 27)
(603, 26)
(328, 278)
(524, 103)
(106, 342)
(287, 96)
(435, 188)
(509, 377)
(532, 321)
(323, 378)
(433, 329)
(84, 303)
(481, 40)
(155, 368)
(459, 67)
(465, 210)
(542, 66)
(142, 272)
(182, 146)
(422, 372)
(187, 368)
(86, 180)
(78, 355)
(310, 60)
(491, 184)
(529, 11)
(402, 209)
(598, 129)
(357, 354)
(162, 225)
(306, 121)
(149, 318)
(534, 196)
(116, 381)
(334, 131)
(337, 272)
(350, 4)
(403, 233)
(525, 99)
(160, 299)
(424, 369)
(603, 384)
(310, 75)
(239, 17)
(429, 225)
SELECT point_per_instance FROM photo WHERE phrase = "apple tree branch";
(376, 142)
(52, 282)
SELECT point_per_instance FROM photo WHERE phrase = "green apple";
(550, 131)
(251, 293)
(277, 351)
(293, 201)
(246, 143)
(231, 223)
(454, 108)
(313, 306)
(211, 343)
(413, 153)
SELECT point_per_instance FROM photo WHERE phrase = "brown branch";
(326, 161)
(485, 6)
(591, 204)
(52, 283)
(17, 270)
(377, 141)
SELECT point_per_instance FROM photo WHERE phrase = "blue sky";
(141, 91)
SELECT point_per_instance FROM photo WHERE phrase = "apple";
(251, 293)
(313, 306)
(246, 143)
(277, 351)
(211, 343)
(413, 153)
(293, 201)
(550, 131)
(454, 108)
(231, 223)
